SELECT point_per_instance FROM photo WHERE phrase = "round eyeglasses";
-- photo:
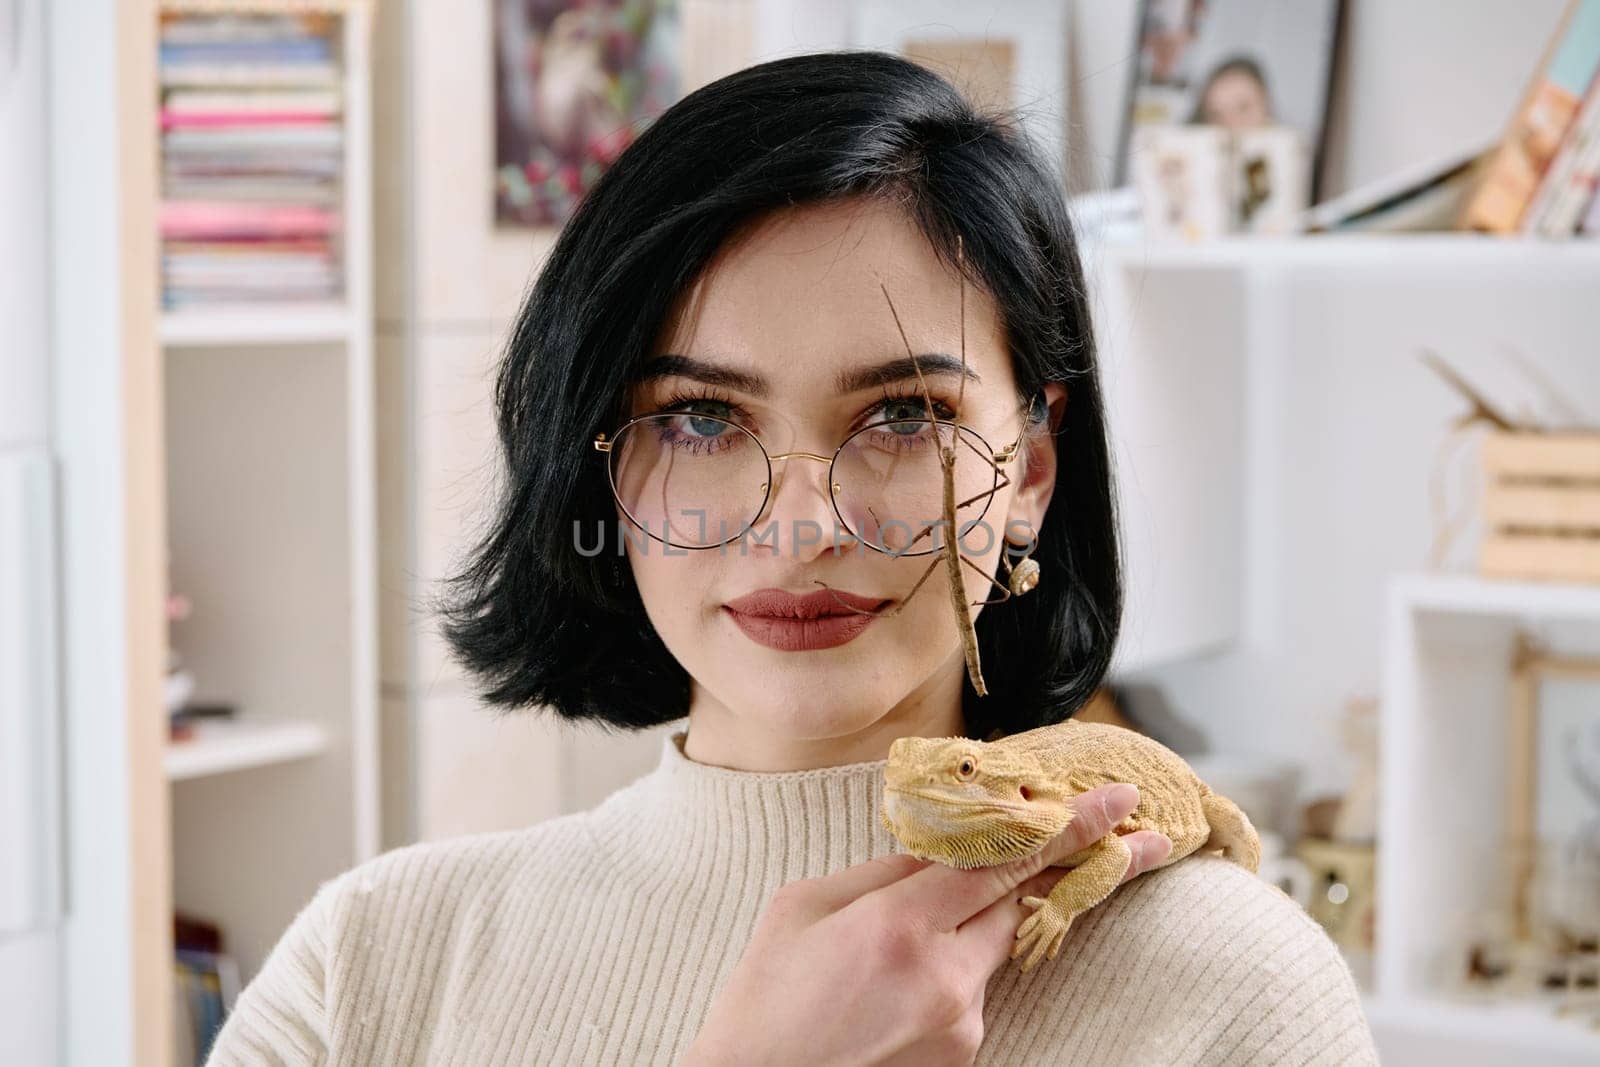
(700, 481)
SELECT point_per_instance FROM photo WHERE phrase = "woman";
(731, 328)
(1234, 96)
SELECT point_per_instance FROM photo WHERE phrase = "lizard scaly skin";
(971, 803)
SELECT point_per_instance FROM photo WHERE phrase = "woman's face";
(1237, 101)
(793, 306)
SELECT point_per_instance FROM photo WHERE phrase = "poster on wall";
(1237, 64)
(1007, 59)
(575, 82)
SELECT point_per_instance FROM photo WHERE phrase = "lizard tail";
(1231, 831)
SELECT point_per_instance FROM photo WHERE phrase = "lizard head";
(969, 803)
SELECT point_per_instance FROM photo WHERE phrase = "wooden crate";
(1541, 506)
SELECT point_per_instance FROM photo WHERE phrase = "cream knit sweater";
(602, 936)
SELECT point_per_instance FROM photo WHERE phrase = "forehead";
(800, 293)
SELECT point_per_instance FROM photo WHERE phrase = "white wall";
(30, 828)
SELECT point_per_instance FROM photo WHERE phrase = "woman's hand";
(887, 961)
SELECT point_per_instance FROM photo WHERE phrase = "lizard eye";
(966, 768)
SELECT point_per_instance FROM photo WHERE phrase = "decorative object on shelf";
(252, 154)
(1540, 478)
(1357, 820)
(1184, 175)
(1237, 64)
(1339, 846)
(1343, 890)
(1006, 58)
(1553, 793)
(1271, 180)
(1488, 962)
(1351, 817)
(574, 84)
(1541, 505)
(1202, 182)
(179, 684)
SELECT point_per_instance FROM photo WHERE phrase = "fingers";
(836, 890)
(942, 898)
(989, 936)
(1150, 850)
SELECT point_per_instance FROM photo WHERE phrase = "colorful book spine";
(1540, 124)
(252, 141)
(1559, 204)
(1590, 226)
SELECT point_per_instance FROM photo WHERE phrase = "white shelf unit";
(1202, 346)
(1448, 644)
(1275, 435)
(220, 747)
(271, 472)
(1448, 251)
(297, 324)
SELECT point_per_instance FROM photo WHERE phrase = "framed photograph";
(1008, 57)
(1184, 177)
(575, 81)
(1553, 793)
(1271, 180)
(1236, 64)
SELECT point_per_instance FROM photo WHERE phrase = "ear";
(1034, 477)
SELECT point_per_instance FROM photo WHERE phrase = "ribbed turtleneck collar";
(771, 826)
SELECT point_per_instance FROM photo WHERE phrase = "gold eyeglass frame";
(999, 459)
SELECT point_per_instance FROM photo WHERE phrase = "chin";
(801, 710)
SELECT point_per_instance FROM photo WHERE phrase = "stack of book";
(207, 984)
(252, 145)
(1541, 178)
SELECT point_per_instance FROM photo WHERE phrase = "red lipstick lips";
(791, 623)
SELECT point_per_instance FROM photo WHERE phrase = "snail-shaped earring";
(1024, 573)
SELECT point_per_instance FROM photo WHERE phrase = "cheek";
(675, 589)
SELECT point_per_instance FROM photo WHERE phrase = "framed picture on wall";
(1238, 64)
(1008, 58)
(575, 81)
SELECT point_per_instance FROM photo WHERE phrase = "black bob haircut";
(537, 623)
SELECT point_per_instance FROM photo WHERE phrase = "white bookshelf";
(221, 747)
(297, 325)
(1428, 253)
(1275, 434)
(270, 437)
(1448, 642)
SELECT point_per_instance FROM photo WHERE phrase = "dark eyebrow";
(852, 380)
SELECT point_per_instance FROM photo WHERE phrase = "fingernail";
(1156, 849)
(1124, 797)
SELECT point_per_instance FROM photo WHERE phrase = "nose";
(804, 519)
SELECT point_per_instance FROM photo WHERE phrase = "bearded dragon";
(969, 803)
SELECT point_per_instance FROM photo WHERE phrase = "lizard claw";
(1043, 932)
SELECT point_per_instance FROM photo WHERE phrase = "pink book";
(174, 119)
(207, 218)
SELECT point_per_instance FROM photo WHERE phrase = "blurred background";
(257, 260)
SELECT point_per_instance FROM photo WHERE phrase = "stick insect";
(950, 552)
